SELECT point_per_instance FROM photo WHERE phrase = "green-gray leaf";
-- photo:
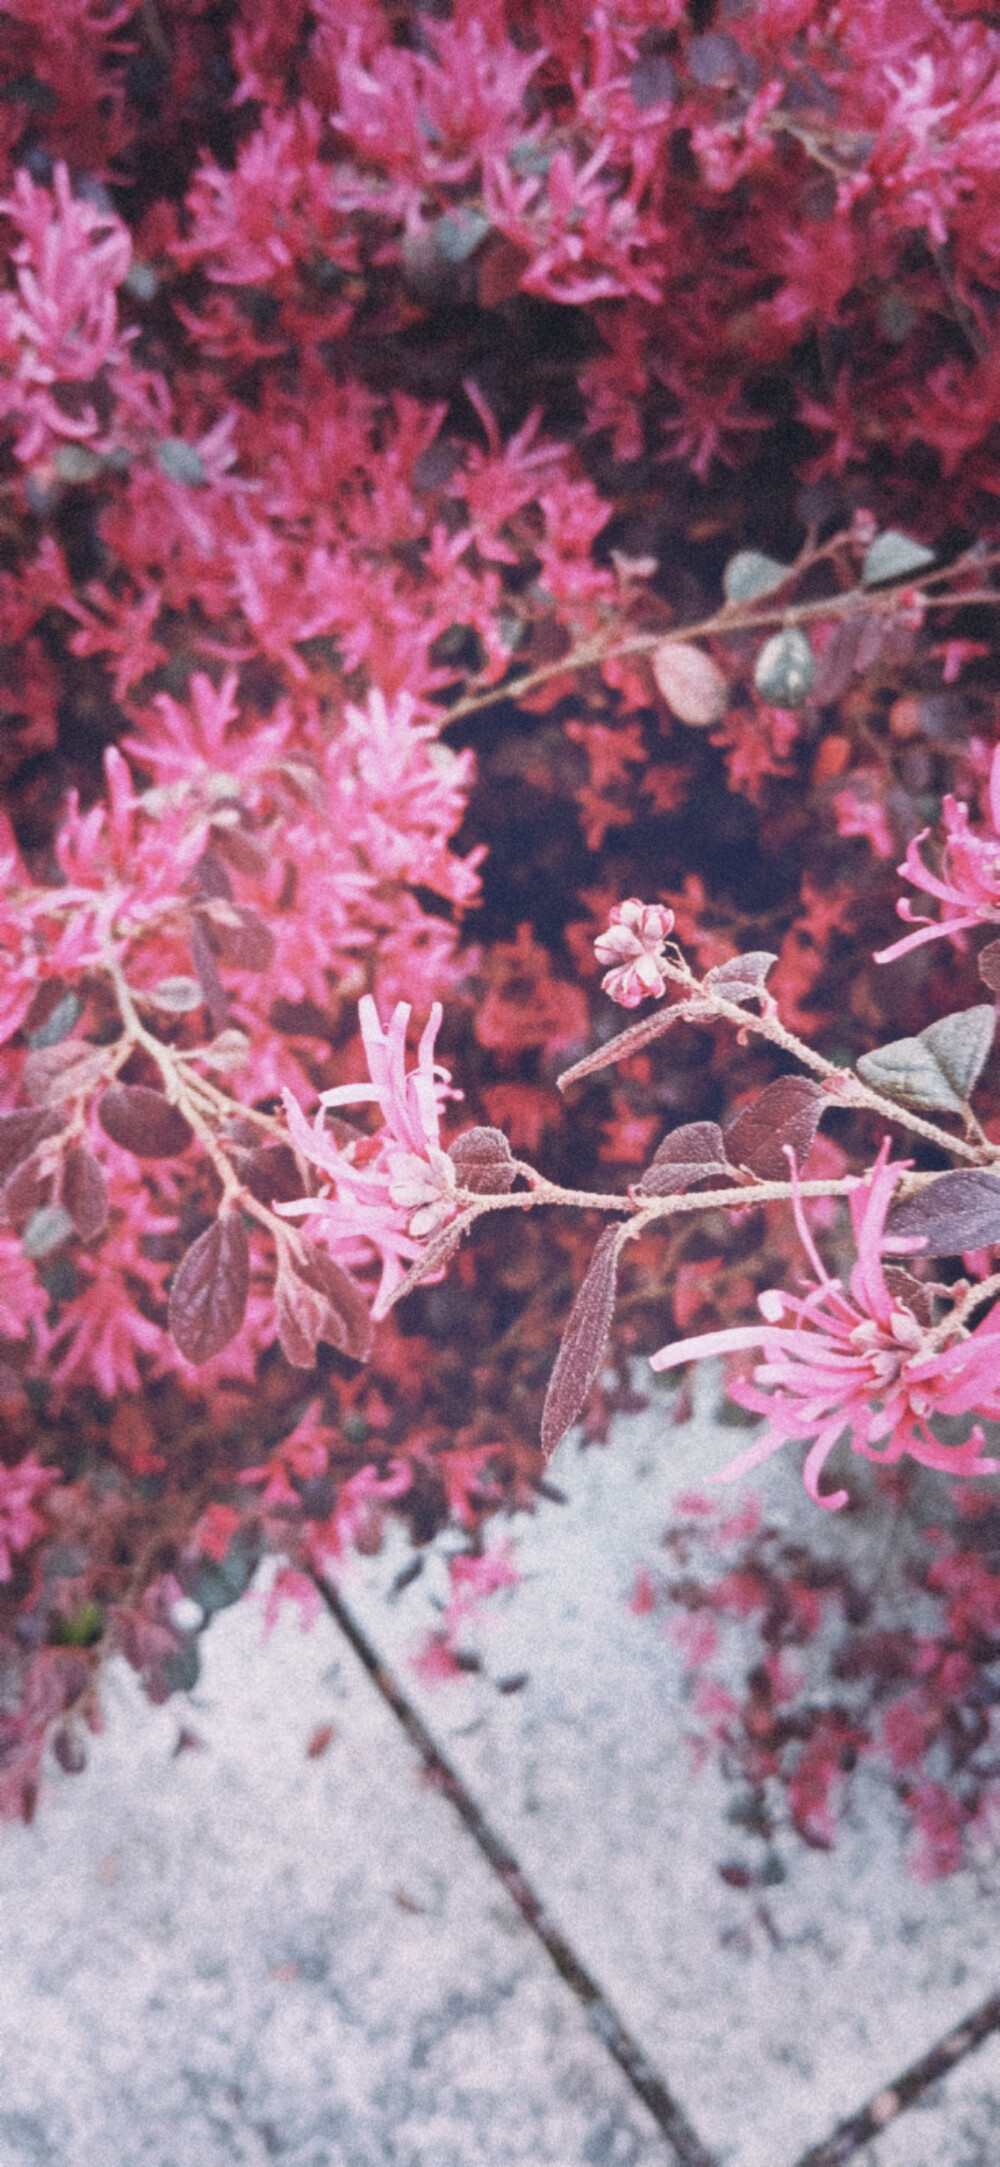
(750, 573)
(786, 669)
(180, 462)
(908, 1070)
(46, 1230)
(961, 1045)
(58, 1024)
(891, 556)
(459, 233)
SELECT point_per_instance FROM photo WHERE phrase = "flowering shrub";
(491, 496)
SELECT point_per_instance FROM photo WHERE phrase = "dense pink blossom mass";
(857, 1365)
(463, 468)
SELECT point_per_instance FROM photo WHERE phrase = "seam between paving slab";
(604, 2019)
(848, 2137)
(894, 2099)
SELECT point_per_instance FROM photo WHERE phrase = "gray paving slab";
(767, 2028)
(240, 1955)
(955, 2124)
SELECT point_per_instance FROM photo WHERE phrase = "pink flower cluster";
(968, 885)
(392, 1191)
(633, 945)
(856, 1365)
(21, 1487)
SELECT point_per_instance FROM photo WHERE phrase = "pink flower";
(968, 885)
(20, 1524)
(395, 1190)
(859, 1365)
(633, 943)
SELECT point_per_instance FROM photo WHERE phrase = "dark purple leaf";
(238, 936)
(989, 966)
(580, 1358)
(242, 851)
(21, 1131)
(652, 81)
(69, 1749)
(742, 978)
(691, 1153)
(143, 1121)
(349, 1325)
(212, 877)
(786, 1114)
(622, 1047)
(270, 1173)
(838, 662)
(483, 1161)
(208, 1297)
(83, 1191)
(956, 1212)
(24, 1191)
(914, 1294)
(301, 1315)
(207, 973)
(429, 1264)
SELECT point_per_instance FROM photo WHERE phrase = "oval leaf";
(180, 462)
(989, 966)
(742, 978)
(958, 1211)
(238, 936)
(20, 1131)
(652, 81)
(961, 1045)
(83, 1191)
(751, 573)
(208, 1297)
(841, 657)
(206, 971)
(691, 683)
(578, 1362)
(229, 1051)
(908, 1070)
(301, 1314)
(46, 1230)
(786, 1113)
(143, 1121)
(458, 234)
(691, 1153)
(59, 1072)
(58, 1023)
(176, 996)
(270, 1173)
(891, 556)
(786, 669)
(483, 1161)
(348, 1325)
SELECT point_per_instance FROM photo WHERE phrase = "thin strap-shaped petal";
(762, 1449)
(932, 930)
(738, 1339)
(815, 1461)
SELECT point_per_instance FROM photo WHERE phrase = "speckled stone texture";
(768, 2024)
(238, 1954)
